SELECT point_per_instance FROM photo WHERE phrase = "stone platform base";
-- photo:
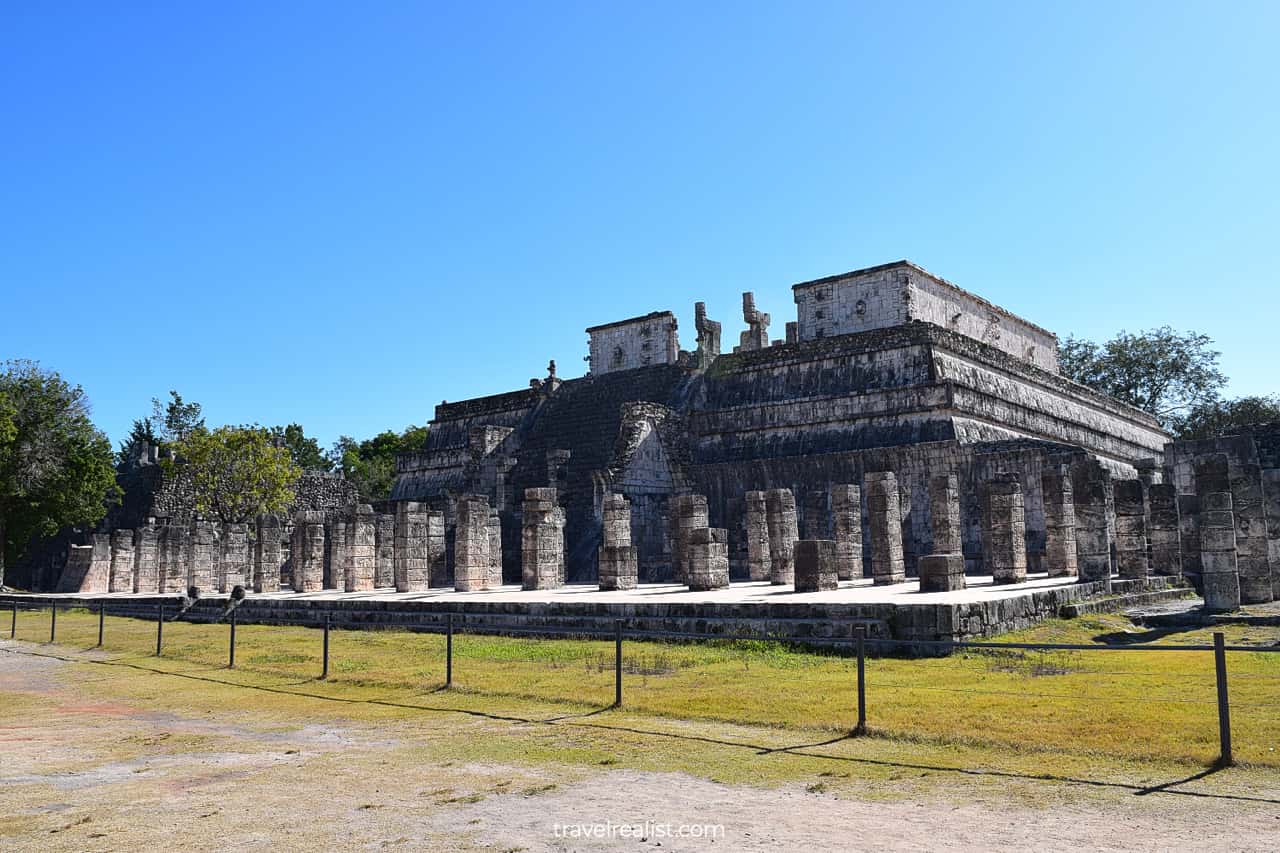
(754, 609)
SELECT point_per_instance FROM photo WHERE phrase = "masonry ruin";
(902, 429)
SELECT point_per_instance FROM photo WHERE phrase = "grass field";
(1028, 708)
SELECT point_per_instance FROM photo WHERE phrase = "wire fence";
(961, 690)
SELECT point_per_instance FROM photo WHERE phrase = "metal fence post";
(102, 618)
(13, 625)
(861, 633)
(448, 651)
(159, 629)
(1225, 758)
(324, 670)
(231, 649)
(617, 664)
(53, 620)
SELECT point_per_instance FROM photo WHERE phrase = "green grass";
(1030, 708)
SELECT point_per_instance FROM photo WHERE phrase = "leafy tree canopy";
(304, 451)
(371, 464)
(1224, 417)
(1161, 371)
(237, 472)
(55, 465)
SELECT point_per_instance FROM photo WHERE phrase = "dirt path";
(81, 773)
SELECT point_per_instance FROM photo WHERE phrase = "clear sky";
(342, 213)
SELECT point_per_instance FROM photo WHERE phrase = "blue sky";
(342, 213)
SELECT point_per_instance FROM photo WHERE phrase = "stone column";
(1059, 523)
(815, 561)
(494, 527)
(846, 524)
(780, 511)
(122, 561)
(471, 544)
(175, 557)
(361, 551)
(757, 533)
(146, 558)
(98, 578)
(885, 514)
(1218, 565)
(1166, 548)
(817, 518)
(1090, 484)
(308, 551)
(75, 572)
(542, 540)
(1131, 530)
(1219, 559)
(437, 550)
(384, 575)
(233, 562)
(689, 513)
(204, 555)
(1189, 537)
(286, 553)
(335, 564)
(267, 553)
(1271, 496)
(1252, 547)
(617, 564)
(944, 513)
(708, 559)
(412, 560)
(1004, 530)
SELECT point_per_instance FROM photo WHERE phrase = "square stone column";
(708, 564)
(542, 540)
(203, 562)
(122, 561)
(412, 559)
(1189, 537)
(1004, 530)
(1219, 556)
(98, 577)
(335, 560)
(884, 511)
(268, 555)
(617, 566)
(846, 527)
(1059, 523)
(233, 557)
(308, 551)
(944, 513)
(942, 572)
(759, 562)
(815, 561)
(174, 544)
(146, 558)
(1166, 547)
(688, 513)
(780, 511)
(471, 544)
(1091, 485)
(1131, 530)
(494, 527)
(817, 515)
(384, 575)
(361, 552)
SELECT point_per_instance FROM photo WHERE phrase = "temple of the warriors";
(886, 369)
(904, 457)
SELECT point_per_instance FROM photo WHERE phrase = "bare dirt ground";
(80, 772)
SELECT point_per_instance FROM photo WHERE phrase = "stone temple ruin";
(902, 428)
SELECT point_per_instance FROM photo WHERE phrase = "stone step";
(1116, 603)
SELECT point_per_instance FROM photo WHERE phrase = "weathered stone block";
(122, 561)
(846, 522)
(885, 514)
(783, 532)
(942, 572)
(708, 566)
(759, 561)
(1004, 539)
(1059, 523)
(815, 561)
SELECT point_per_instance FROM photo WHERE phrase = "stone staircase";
(1126, 594)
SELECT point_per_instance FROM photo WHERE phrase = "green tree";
(371, 464)
(1213, 418)
(141, 435)
(55, 465)
(304, 451)
(236, 473)
(175, 420)
(1161, 371)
